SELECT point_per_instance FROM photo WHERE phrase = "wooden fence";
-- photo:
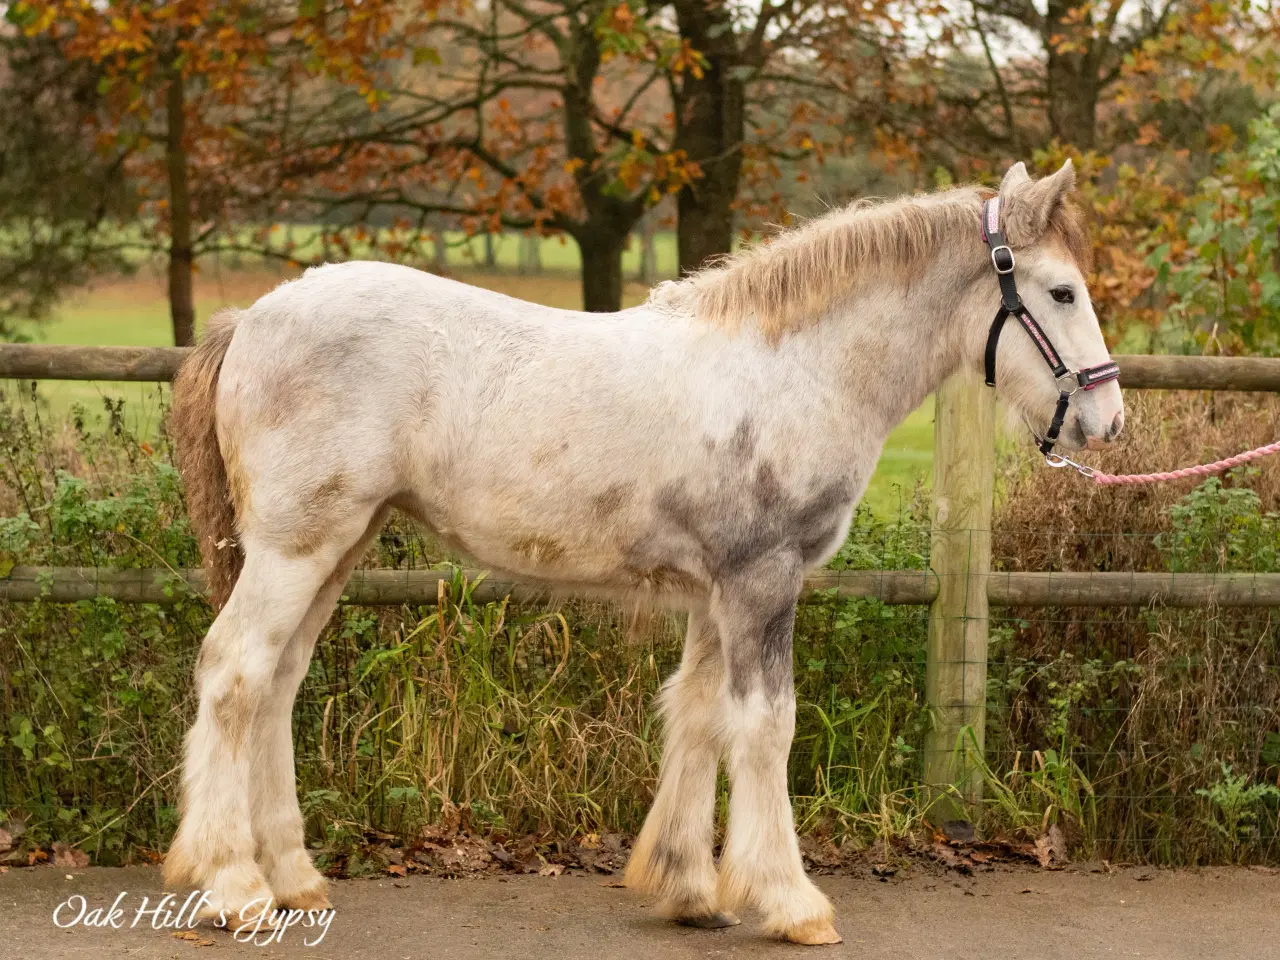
(959, 587)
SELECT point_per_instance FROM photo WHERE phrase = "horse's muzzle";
(1112, 431)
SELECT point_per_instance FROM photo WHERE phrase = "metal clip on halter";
(1058, 460)
(1011, 305)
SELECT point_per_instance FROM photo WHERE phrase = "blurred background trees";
(186, 132)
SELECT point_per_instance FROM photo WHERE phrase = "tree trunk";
(1072, 79)
(609, 219)
(602, 270)
(710, 128)
(648, 249)
(490, 254)
(1073, 101)
(182, 309)
(530, 253)
(440, 250)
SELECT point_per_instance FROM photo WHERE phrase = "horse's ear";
(1017, 175)
(1027, 205)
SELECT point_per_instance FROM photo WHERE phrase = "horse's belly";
(574, 538)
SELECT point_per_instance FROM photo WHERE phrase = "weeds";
(1143, 734)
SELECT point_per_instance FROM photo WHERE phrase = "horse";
(700, 451)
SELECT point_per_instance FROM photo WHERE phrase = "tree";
(178, 83)
(546, 117)
(59, 194)
(972, 86)
(739, 52)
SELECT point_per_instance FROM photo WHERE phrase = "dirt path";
(1223, 914)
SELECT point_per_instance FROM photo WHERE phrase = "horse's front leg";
(672, 856)
(754, 611)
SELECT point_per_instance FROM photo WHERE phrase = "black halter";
(1011, 306)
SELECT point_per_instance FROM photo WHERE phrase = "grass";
(1146, 735)
(134, 312)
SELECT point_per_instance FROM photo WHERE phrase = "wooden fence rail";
(381, 587)
(960, 586)
(27, 361)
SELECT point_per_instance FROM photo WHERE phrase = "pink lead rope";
(1203, 470)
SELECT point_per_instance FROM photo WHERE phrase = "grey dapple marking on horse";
(702, 450)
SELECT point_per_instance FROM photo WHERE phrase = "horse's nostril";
(1116, 426)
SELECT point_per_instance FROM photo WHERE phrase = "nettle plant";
(1226, 289)
(1224, 528)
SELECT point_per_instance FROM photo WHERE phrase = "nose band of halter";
(1011, 305)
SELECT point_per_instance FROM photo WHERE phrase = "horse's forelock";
(1067, 226)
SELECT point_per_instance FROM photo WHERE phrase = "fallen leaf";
(191, 937)
(614, 885)
(1058, 844)
(397, 869)
(1043, 856)
(6, 841)
(551, 870)
(948, 856)
(66, 856)
(36, 856)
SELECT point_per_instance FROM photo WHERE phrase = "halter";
(1011, 305)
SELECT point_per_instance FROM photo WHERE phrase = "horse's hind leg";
(214, 847)
(755, 613)
(276, 818)
(672, 855)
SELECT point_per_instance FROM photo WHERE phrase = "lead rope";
(1202, 470)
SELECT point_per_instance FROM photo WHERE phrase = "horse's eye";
(1063, 294)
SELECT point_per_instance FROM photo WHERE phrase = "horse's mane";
(790, 281)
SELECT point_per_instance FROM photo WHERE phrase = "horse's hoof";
(317, 898)
(813, 933)
(710, 921)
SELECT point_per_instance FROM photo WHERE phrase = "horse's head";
(1046, 258)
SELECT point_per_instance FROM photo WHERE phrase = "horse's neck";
(894, 347)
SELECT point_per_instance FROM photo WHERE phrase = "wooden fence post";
(960, 556)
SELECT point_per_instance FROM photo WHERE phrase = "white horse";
(704, 449)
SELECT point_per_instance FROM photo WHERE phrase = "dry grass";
(1057, 520)
(1130, 718)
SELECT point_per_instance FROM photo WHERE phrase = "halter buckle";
(1000, 253)
(1073, 378)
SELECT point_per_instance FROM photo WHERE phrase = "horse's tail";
(194, 426)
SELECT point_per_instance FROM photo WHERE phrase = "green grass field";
(134, 312)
